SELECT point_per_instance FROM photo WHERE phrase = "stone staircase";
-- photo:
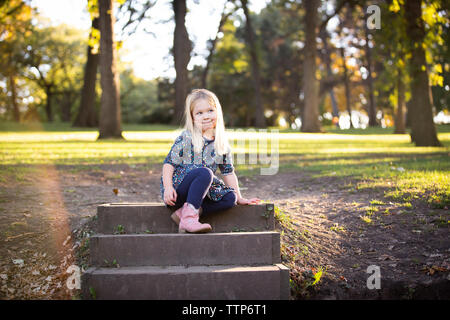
(138, 254)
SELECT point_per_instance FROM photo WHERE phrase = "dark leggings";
(194, 187)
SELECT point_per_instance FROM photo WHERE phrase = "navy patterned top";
(183, 162)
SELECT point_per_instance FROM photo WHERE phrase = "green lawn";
(373, 158)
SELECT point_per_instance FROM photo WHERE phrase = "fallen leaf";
(432, 270)
(441, 269)
(116, 191)
(65, 242)
(18, 262)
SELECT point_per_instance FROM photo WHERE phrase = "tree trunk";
(260, 120)
(15, 105)
(310, 121)
(182, 55)
(372, 112)
(326, 56)
(400, 114)
(87, 114)
(110, 117)
(408, 114)
(48, 106)
(66, 105)
(346, 86)
(423, 131)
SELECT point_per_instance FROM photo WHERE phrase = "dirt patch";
(46, 219)
(410, 245)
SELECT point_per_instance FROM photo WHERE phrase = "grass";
(337, 228)
(373, 159)
(377, 202)
(370, 211)
(366, 219)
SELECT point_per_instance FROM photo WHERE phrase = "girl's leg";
(194, 187)
(227, 201)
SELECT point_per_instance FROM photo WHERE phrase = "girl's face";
(204, 115)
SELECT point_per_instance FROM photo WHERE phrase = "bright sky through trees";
(149, 54)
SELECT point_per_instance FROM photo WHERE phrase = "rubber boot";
(189, 221)
(176, 215)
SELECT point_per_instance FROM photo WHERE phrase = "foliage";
(46, 61)
(138, 97)
(230, 76)
(27, 43)
(15, 27)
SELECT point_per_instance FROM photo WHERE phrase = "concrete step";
(155, 218)
(235, 248)
(191, 283)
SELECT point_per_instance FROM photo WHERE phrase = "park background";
(361, 109)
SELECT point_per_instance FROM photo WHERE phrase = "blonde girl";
(188, 180)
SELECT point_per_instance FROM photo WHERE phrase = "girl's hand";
(248, 201)
(170, 196)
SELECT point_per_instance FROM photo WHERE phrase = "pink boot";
(176, 216)
(189, 221)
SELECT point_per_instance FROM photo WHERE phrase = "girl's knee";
(205, 172)
(210, 172)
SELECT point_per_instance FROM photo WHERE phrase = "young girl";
(188, 180)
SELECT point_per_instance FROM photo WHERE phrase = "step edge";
(211, 234)
(180, 269)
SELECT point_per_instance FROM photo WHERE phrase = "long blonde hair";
(221, 144)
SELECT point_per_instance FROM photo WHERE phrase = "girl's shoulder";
(185, 134)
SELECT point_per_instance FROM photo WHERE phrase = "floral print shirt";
(183, 162)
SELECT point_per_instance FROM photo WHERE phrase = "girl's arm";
(231, 180)
(167, 174)
(170, 195)
(169, 165)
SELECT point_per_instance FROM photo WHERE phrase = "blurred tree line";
(304, 64)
